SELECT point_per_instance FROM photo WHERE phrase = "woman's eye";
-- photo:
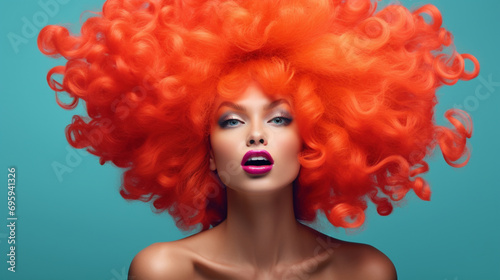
(281, 121)
(230, 123)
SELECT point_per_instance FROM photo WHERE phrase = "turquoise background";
(81, 228)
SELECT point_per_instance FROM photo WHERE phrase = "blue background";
(79, 227)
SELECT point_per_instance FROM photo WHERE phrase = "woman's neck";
(261, 229)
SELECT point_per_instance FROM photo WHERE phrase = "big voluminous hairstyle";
(363, 83)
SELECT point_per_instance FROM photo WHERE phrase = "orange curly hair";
(362, 81)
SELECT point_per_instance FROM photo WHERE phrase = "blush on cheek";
(289, 146)
(227, 157)
(290, 141)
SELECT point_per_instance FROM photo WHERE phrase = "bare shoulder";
(163, 260)
(375, 265)
(350, 260)
(367, 262)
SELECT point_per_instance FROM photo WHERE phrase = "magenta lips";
(257, 169)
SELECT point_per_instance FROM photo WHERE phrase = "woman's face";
(255, 142)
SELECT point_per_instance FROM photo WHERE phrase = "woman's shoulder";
(164, 260)
(351, 260)
(364, 261)
(181, 259)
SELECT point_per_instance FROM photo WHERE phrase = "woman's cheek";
(226, 157)
(290, 142)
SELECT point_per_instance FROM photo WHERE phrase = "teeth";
(257, 158)
(258, 161)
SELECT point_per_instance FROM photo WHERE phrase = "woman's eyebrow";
(243, 109)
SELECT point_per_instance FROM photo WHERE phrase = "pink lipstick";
(257, 162)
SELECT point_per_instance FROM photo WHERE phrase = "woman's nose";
(252, 141)
(257, 135)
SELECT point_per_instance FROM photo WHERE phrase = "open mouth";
(257, 162)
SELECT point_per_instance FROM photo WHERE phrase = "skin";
(261, 238)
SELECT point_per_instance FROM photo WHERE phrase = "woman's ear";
(212, 161)
(212, 158)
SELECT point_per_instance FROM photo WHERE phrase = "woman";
(244, 117)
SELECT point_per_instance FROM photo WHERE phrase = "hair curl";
(362, 81)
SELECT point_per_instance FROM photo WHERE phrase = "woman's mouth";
(257, 162)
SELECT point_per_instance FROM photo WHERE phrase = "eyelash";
(286, 121)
